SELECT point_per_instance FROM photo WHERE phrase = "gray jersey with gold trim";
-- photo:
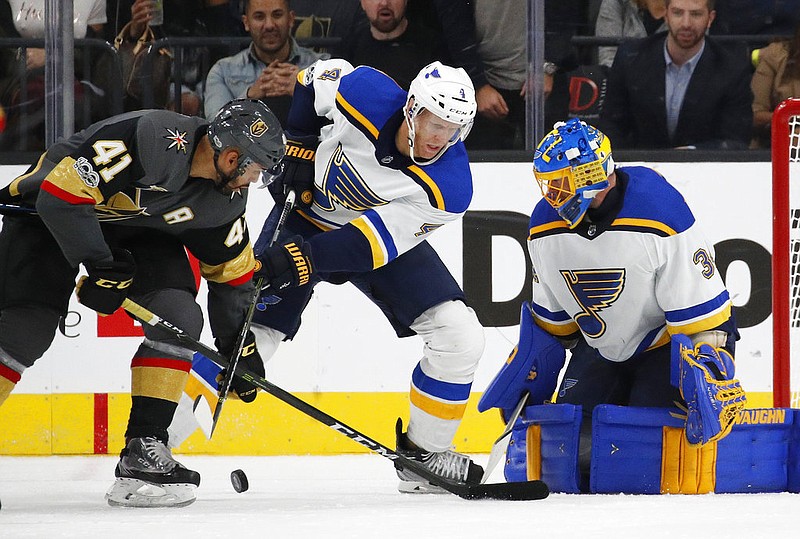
(133, 170)
(129, 170)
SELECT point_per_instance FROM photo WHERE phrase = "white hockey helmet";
(446, 92)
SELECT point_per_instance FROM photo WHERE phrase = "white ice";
(356, 496)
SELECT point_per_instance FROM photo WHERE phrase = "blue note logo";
(344, 187)
(594, 290)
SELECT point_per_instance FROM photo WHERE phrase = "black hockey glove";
(107, 283)
(251, 360)
(285, 266)
(298, 171)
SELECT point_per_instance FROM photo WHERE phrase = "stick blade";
(496, 455)
(202, 414)
(215, 416)
(521, 491)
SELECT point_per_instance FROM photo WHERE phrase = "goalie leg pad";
(713, 397)
(627, 447)
(761, 453)
(644, 451)
(544, 445)
(533, 366)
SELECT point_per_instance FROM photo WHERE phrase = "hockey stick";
(225, 384)
(530, 490)
(501, 444)
(11, 209)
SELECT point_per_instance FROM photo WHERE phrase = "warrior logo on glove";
(300, 263)
(287, 265)
(298, 170)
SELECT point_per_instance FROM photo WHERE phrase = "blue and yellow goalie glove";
(533, 366)
(704, 375)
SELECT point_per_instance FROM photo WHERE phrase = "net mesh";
(794, 257)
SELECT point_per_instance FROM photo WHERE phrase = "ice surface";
(356, 496)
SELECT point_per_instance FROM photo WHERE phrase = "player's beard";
(223, 185)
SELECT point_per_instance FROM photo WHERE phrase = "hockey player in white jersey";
(621, 271)
(378, 170)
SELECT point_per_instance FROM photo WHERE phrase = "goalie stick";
(225, 384)
(501, 444)
(528, 490)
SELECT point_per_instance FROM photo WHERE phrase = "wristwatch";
(549, 68)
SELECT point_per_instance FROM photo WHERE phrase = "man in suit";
(679, 89)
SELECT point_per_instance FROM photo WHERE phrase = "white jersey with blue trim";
(628, 283)
(361, 179)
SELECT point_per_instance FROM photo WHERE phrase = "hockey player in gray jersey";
(126, 198)
(378, 170)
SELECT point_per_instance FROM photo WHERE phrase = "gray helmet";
(249, 125)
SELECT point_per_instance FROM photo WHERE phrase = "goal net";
(786, 252)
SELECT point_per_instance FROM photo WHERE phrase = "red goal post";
(785, 249)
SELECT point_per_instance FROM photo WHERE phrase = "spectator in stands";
(267, 69)
(391, 42)
(562, 21)
(182, 18)
(680, 88)
(454, 21)
(756, 17)
(777, 77)
(627, 19)
(325, 19)
(26, 19)
(501, 29)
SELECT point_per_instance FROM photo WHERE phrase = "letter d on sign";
(478, 256)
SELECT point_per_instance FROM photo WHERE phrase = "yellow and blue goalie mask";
(572, 164)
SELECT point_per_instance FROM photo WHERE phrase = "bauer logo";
(258, 128)
(86, 172)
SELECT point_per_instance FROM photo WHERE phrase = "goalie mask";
(249, 126)
(572, 164)
(447, 93)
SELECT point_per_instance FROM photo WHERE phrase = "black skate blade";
(527, 490)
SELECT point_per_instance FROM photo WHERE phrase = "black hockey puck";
(239, 481)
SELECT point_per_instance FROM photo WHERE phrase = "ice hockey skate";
(448, 464)
(148, 476)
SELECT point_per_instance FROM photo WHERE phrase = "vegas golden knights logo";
(258, 128)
